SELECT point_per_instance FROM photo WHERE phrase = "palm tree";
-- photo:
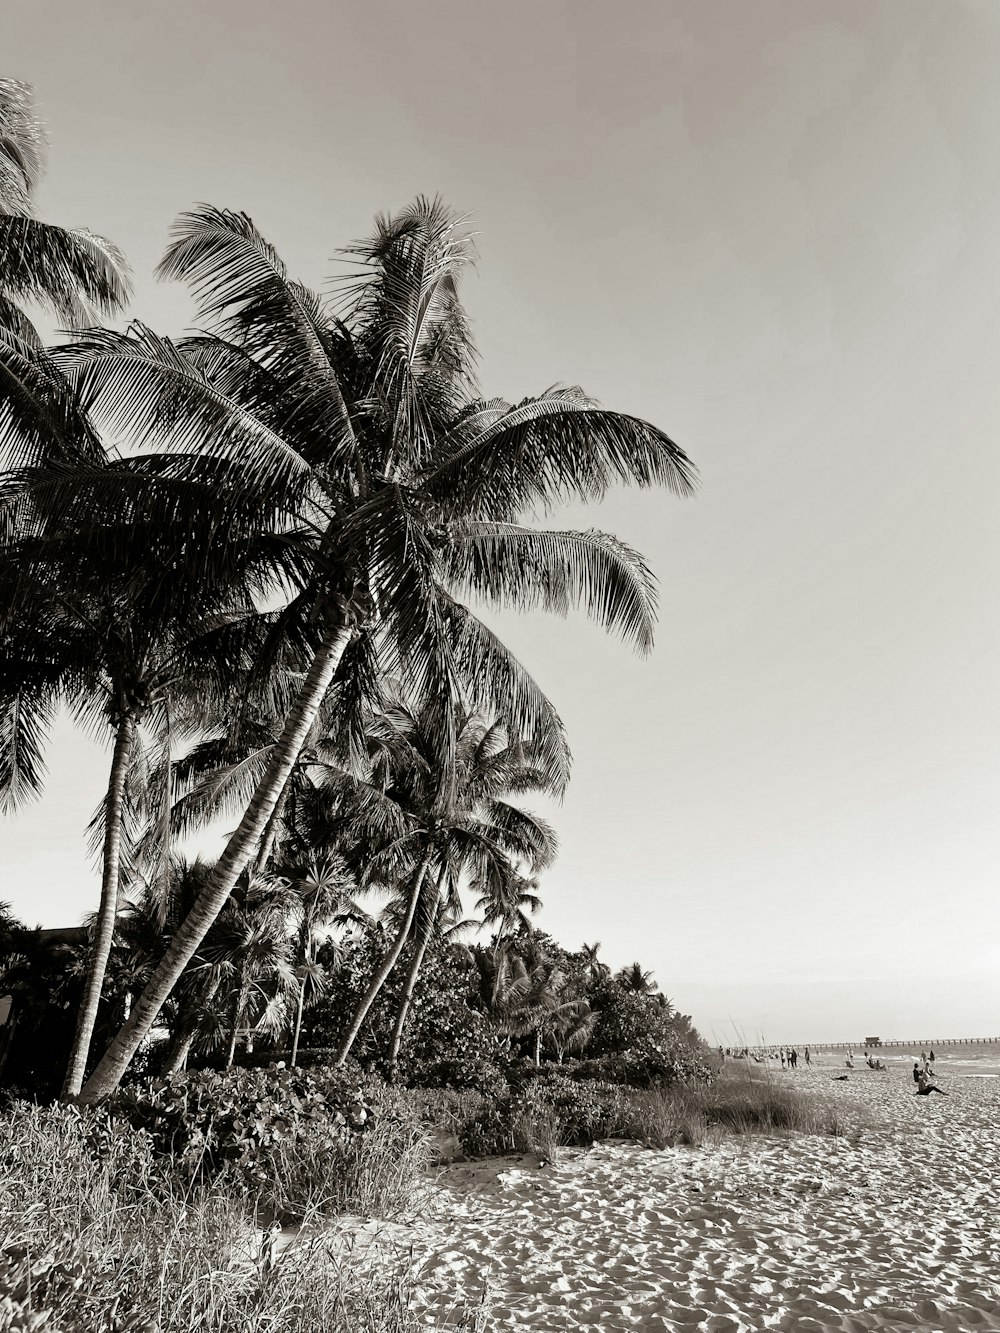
(508, 903)
(74, 275)
(595, 969)
(249, 944)
(525, 992)
(121, 647)
(363, 430)
(474, 833)
(322, 893)
(633, 978)
(77, 275)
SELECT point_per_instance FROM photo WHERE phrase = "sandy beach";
(893, 1226)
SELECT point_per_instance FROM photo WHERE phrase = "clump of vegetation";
(98, 1233)
(291, 1140)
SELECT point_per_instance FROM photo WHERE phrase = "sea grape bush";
(645, 1065)
(238, 1121)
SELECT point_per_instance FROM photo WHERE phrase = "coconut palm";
(509, 902)
(249, 945)
(77, 275)
(593, 966)
(476, 835)
(525, 992)
(73, 275)
(121, 647)
(322, 893)
(363, 428)
(636, 980)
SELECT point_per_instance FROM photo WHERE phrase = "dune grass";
(95, 1234)
(736, 1102)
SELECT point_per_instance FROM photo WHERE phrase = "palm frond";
(534, 569)
(495, 682)
(22, 146)
(141, 386)
(25, 719)
(505, 461)
(76, 274)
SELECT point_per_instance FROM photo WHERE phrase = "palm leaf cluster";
(251, 544)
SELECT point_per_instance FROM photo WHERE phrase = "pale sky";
(773, 229)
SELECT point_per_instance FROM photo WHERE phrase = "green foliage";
(239, 1122)
(443, 1026)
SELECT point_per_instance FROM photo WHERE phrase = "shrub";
(646, 1065)
(292, 1138)
(472, 1072)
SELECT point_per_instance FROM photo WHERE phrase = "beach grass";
(95, 1233)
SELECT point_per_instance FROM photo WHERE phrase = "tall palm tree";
(322, 892)
(363, 428)
(120, 646)
(475, 833)
(635, 979)
(595, 968)
(77, 275)
(249, 940)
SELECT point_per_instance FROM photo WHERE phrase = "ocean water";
(967, 1060)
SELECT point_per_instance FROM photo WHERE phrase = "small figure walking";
(808, 1057)
(782, 1053)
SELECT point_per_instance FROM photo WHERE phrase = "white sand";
(895, 1227)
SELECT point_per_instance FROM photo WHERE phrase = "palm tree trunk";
(237, 855)
(538, 1047)
(271, 828)
(404, 1004)
(388, 963)
(234, 1027)
(298, 1024)
(178, 1057)
(108, 911)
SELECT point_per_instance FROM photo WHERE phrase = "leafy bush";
(292, 1138)
(471, 1072)
(443, 1022)
(644, 1066)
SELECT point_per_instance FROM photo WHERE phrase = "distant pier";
(924, 1043)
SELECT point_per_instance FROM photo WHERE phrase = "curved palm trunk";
(237, 855)
(271, 827)
(388, 963)
(108, 911)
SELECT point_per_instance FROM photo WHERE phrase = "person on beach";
(808, 1057)
(916, 1072)
(782, 1054)
(925, 1085)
